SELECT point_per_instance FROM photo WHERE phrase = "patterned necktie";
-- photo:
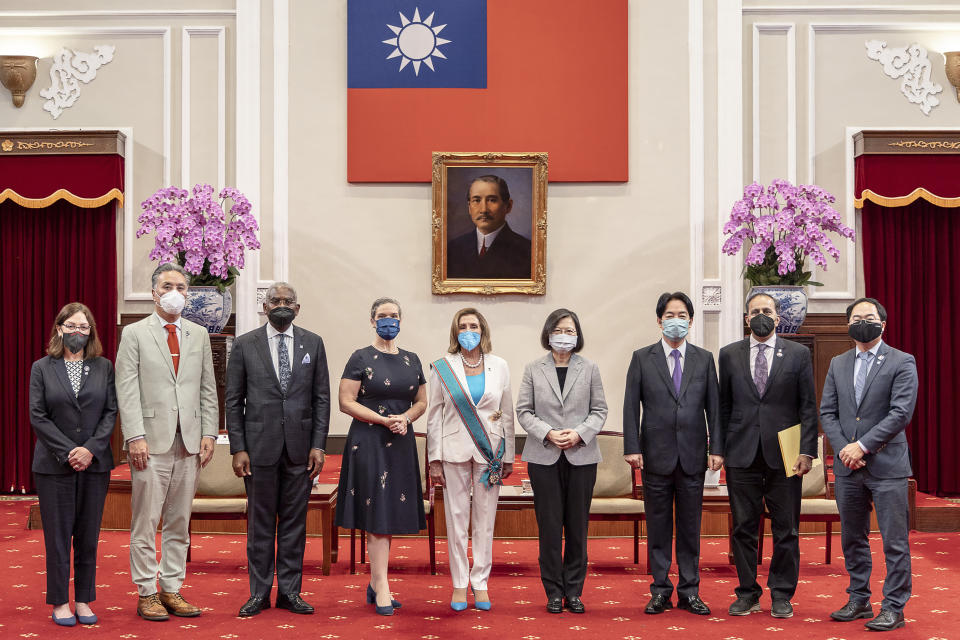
(483, 248)
(283, 362)
(760, 369)
(174, 344)
(677, 371)
(861, 380)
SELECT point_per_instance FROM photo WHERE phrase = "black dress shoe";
(658, 604)
(555, 605)
(693, 604)
(886, 620)
(853, 610)
(744, 606)
(781, 608)
(254, 605)
(574, 605)
(293, 603)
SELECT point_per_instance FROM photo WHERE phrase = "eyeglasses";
(568, 332)
(82, 328)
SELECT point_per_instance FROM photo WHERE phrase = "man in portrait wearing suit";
(766, 385)
(167, 396)
(278, 411)
(493, 249)
(868, 399)
(675, 384)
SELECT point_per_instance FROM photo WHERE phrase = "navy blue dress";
(379, 489)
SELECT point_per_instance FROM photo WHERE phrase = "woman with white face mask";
(562, 408)
(470, 447)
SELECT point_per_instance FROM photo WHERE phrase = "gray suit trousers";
(855, 492)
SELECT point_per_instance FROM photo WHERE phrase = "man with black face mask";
(278, 411)
(766, 385)
(868, 400)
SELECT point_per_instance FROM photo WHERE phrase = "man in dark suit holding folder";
(766, 385)
(278, 411)
(868, 399)
(675, 383)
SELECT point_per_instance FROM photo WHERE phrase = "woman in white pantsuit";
(470, 447)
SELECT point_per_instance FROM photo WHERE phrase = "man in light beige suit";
(168, 412)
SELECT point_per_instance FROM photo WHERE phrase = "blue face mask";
(388, 328)
(676, 328)
(468, 340)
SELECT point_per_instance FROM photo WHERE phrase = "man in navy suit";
(278, 411)
(766, 385)
(493, 249)
(868, 400)
(676, 385)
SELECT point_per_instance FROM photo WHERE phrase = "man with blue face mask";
(675, 384)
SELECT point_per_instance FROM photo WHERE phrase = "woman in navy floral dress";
(383, 389)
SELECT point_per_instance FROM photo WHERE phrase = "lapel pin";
(780, 353)
(86, 370)
(879, 358)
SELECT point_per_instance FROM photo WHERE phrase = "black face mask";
(75, 342)
(865, 331)
(281, 317)
(761, 325)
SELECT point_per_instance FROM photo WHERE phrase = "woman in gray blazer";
(73, 409)
(562, 409)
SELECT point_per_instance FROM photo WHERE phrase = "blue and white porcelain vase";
(793, 305)
(208, 307)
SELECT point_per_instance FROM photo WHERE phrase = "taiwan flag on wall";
(486, 75)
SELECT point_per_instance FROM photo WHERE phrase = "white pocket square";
(306, 359)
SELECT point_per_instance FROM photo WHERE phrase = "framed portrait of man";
(489, 223)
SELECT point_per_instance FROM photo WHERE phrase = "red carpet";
(614, 595)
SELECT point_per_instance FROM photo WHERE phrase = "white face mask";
(172, 302)
(562, 342)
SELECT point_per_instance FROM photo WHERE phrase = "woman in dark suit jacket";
(73, 408)
(562, 408)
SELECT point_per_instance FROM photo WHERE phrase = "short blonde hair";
(486, 346)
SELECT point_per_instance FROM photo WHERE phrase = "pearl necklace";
(474, 365)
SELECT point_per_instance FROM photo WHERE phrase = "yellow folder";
(789, 447)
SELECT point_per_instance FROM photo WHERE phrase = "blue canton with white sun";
(416, 41)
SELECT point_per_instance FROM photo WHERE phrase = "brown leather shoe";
(150, 608)
(176, 605)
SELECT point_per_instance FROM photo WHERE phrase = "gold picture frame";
(461, 263)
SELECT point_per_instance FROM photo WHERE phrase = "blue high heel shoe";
(482, 606)
(372, 598)
(91, 619)
(64, 622)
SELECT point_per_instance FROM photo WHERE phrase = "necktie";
(760, 369)
(283, 362)
(483, 248)
(677, 371)
(861, 380)
(174, 345)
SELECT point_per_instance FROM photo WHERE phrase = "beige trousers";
(165, 488)
(463, 488)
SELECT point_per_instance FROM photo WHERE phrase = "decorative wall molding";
(281, 139)
(247, 137)
(187, 33)
(119, 13)
(69, 69)
(790, 32)
(697, 141)
(848, 294)
(912, 64)
(729, 156)
(711, 296)
(854, 9)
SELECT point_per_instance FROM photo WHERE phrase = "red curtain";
(908, 264)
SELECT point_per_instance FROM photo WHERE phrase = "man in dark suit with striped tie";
(868, 399)
(766, 385)
(278, 411)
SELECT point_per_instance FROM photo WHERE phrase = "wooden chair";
(427, 508)
(221, 495)
(615, 494)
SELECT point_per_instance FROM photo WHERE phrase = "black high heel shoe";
(384, 611)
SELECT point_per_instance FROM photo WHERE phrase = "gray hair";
(276, 286)
(163, 268)
(382, 301)
(756, 294)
